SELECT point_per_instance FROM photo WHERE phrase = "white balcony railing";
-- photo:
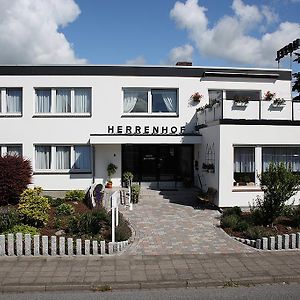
(253, 110)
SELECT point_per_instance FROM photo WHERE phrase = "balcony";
(253, 110)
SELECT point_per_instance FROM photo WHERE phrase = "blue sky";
(208, 32)
(114, 31)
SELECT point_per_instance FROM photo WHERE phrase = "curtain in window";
(62, 157)
(169, 98)
(13, 100)
(42, 157)
(63, 100)
(129, 102)
(14, 150)
(43, 101)
(82, 157)
(244, 160)
(82, 100)
(215, 95)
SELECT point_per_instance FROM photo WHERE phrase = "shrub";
(23, 228)
(279, 185)
(55, 202)
(257, 232)
(296, 216)
(65, 209)
(135, 193)
(15, 175)
(123, 231)
(236, 210)
(127, 177)
(33, 207)
(8, 219)
(229, 221)
(75, 195)
(89, 222)
(241, 226)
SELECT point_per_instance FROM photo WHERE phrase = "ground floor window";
(290, 156)
(62, 158)
(158, 162)
(244, 165)
(11, 150)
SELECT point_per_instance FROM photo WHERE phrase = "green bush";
(8, 219)
(135, 193)
(33, 207)
(241, 226)
(257, 232)
(236, 210)
(296, 216)
(75, 195)
(123, 231)
(55, 202)
(23, 228)
(65, 209)
(229, 221)
(89, 222)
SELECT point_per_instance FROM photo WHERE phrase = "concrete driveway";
(169, 222)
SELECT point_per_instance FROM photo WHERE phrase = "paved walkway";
(167, 223)
(117, 272)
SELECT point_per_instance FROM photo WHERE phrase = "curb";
(103, 287)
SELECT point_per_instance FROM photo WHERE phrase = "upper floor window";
(63, 158)
(150, 101)
(11, 150)
(63, 100)
(242, 94)
(11, 101)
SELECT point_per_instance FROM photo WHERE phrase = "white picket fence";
(24, 244)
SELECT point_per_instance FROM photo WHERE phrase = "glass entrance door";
(149, 163)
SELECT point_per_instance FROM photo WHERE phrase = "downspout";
(93, 164)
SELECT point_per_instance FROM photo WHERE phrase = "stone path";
(167, 223)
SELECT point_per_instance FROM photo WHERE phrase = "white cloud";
(230, 38)
(139, 60)
(29, 31)
(182, 53)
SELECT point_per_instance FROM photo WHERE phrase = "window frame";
(53, 162)
(53, 111)
(242, 90)
(149, 112)
(3, 102)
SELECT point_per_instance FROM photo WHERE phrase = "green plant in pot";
(127, 178)
(111, 170)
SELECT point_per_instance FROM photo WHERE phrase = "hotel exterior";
(72, 121)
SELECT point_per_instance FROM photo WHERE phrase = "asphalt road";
(266, 292)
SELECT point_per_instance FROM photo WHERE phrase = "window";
(150, 101)
(242, 94)
(290, 156)
(244, 165)
(63, 158)
(63, 100)
(11, 150)
(215, 96)
(11, 101)
(43, 101)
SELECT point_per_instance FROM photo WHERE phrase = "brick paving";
(171, 222)
(152, 271)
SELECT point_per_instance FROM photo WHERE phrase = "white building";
(72, 121)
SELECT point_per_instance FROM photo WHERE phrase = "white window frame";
(3, 104)
(53, 111)
(3, 148)
(53, 168)
(149, 112)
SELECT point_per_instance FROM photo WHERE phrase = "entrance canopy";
(145, 139)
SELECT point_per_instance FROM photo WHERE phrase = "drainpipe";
(93, 164)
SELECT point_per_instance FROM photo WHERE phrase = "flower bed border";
(26, 245)
(278, 242)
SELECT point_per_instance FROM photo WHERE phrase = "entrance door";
(166, 164)
(149, 163)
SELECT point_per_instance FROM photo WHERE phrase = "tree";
(279, 184)
(15, 175)
(296, 86)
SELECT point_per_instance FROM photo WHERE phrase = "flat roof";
(147, 70)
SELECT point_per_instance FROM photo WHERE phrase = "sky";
(238, 33)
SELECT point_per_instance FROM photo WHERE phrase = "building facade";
(72, 121)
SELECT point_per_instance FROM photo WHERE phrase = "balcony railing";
(253, 110)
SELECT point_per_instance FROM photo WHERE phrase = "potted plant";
(240, 101)
(111, 170)
(278, 102)
(268, 96)
(127, 178)
(196, 97)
